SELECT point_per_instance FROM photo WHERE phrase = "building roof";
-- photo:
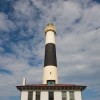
(51, 87)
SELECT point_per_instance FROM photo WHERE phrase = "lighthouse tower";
(50, 63)
(50, 89)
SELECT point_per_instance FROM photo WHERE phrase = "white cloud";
(1, 49)
(6, 24)
(90, 19)
(19, 68)
(79, 60)
(25, 9)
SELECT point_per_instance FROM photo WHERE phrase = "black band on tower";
(50, 55)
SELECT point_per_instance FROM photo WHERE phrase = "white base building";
(51, 92)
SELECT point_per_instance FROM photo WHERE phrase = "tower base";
(51, 92)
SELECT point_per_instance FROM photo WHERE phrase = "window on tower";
(30, 95)
(51, 82)
(71, 93)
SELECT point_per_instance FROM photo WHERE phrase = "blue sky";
(22, 43)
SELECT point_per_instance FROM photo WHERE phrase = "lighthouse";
(50, 89)
(50, 75)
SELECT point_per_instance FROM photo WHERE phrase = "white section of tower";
(50, 37)
(50, 73)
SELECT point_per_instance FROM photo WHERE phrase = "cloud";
(6, 24)
(79, 60)
(1, 49)
(89, 21)
(19, 68)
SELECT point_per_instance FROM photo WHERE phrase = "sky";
(22, 43)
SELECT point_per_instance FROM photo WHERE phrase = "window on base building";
(30, 95)
(37, 95)
(71, 93)
(64, 96)
(51, 95)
